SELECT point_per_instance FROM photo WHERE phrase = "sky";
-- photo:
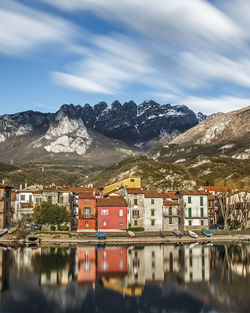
(193, 52)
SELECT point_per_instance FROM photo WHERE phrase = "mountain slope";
(82, 130)
(229, 132)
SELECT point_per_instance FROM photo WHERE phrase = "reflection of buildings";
(112, 261)
(196, 264)
(86, 264)
(4, 269)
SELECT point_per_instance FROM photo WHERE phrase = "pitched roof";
(111, 201)
(134, 190)
(85, 195)
(79, 190)
(152, 194)
(4, 186)
(192, 192)
(214, 188)
(170, 194)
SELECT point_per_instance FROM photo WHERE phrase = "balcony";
(87, 216)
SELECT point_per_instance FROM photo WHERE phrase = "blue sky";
(193, 52)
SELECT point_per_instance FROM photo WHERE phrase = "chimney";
(3, 181)
(21, 186)
(26, 185)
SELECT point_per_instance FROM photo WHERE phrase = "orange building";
(87, 211)
(86, 265)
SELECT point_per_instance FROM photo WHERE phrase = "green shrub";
(136, 228)
(52, 227)
(63, 227)
(235, 224)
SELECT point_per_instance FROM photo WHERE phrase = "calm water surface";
(154, 278)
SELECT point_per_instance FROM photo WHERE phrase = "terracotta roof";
(192, 192)
(214, 188)
(170, 194)
(134, 190)
(84, 190)
(111, 201)
(210, 197)
(167, 203)
(4, 186)
(86, 195)
(152, 194)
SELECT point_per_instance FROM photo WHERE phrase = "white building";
(193, 209)
(153, 211)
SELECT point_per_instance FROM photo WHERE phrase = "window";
(152, 222)
(190, 223)
(238, 211)
(86, 200)
(87, 213)
(22, 197)
(189, 200)
(121, 264)
(191, 276)
(49, 198)
(135, 223)
(132, 180)
(202, 212)
(201, 201)
(170, 210)
(135, 213)
(86, 223)
(153, 264)
(170, 221)
(38, 200)
(152, 212)
(190, 261)
(189, 212)
(152, 201)
(104, 223)
(202, 222)
(30, 198)
(121, 224)
(135, 201)
(153, 254)
(104, 212)
(120, 212)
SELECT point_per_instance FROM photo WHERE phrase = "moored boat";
(177, 233)
(3, 231)
(131, 234)
(206, 232)
(192, 234)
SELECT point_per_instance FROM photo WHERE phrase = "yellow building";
(131, 182)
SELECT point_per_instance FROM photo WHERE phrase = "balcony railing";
(87, 216)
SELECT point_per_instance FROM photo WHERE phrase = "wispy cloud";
(23, 29)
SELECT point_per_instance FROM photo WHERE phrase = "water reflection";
(153, 278)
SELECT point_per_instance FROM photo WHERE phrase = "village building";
(153, 211)
(131, 182)
(111, 213)
(87, 211)
(193, 209)
(212, 210)
(135, 201)
(170, 215)
(5, 204)
(58, 195)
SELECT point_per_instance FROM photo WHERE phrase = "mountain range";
(90, 131)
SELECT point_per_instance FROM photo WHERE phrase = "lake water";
(152, 278)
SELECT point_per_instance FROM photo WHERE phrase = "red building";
(87, 211)
(86, 265)
(112, 213)
(112, 261)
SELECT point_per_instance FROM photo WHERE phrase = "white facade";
(194, 210)
(153, 211)
(23, 204)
